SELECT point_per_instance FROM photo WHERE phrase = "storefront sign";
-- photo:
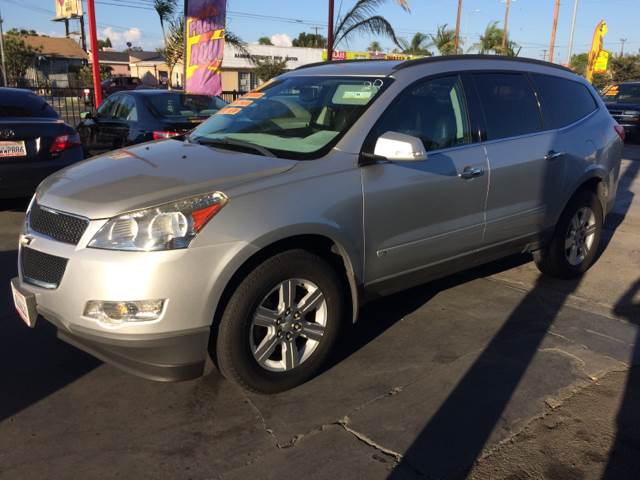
(68, 9)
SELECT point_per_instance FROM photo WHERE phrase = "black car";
(127, 118)
(623, 102)
(118, 84)
(34, 142)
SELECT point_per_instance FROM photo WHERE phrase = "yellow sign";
(68, 9)
(602, 62)
(597, 50)
(337, 55)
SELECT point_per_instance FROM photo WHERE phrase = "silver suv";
(259, 234)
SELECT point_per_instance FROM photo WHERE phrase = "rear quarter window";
(509, 104)
(563, 101)
(25, 105)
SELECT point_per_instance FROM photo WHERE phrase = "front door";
(418, 214)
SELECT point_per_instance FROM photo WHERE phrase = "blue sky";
(529, 22)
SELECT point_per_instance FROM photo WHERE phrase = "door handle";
(552, 155)
(471, 172)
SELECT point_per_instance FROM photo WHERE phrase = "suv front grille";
(41, 269)
(57, 225)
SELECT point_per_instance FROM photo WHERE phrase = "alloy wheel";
(580, 236)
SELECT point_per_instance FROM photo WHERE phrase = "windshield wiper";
(221, 142)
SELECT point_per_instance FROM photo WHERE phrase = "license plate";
(13, 149)
(25, 305)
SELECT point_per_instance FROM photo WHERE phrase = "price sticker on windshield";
(229, 111)
(253, 95)
(241, 103)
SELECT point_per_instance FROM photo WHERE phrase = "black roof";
(396, 65)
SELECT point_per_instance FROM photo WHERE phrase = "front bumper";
(173, 347)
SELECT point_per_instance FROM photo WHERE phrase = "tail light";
(160, 134)
(65, 142)
(620, 131)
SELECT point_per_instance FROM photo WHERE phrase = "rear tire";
(281, 322)
(574, 245)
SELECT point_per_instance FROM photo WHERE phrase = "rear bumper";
(21, 179)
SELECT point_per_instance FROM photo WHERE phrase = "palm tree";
(362, 18)
(417, 46)
(264, 41)
(374, 47)
(444, 40)
(174, 49)
(165, 10)
(491, 42)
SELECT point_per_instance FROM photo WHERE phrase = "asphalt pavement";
(493, 373)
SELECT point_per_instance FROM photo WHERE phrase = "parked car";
(118, 84)
(263, 231)
(34, 142)
(127, 118)
(623, 102)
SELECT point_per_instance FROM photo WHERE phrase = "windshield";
(296, 117)
(629, 93)
(176, 105)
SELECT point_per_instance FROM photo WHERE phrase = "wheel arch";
(594, 180)
(321, 244)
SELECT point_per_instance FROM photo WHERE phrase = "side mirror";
(398, 147)
(86, 116)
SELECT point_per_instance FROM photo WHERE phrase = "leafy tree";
(268, 68)
(362, 19)
(374, 47)
(85, 74)
(264, 41)
(132, 48)
(102, 44)
(417, 46)
(309, 40)
(23, 31)
(19, 57)
(444, 40)
(165, 10)
(625, 68)
(579, 63)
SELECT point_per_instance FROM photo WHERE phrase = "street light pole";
(573, 31)
(506, 22)
(556, 11)
(622, 40)
(4, 66)
(330, 33)
(457, 39)
(95, 57)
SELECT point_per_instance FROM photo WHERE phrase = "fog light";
(117, 313)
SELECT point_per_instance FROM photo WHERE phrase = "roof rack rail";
(420, 61)
(357, 60)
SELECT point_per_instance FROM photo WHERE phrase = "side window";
(126, 109)
(509, 104)
(434, 111)
(106, 109)
(563, 101)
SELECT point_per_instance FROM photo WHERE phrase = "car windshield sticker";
(229, 111)
(354, 94)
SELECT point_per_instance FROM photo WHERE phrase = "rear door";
(526, 162)
(124, 123)
(417, 214)
(93, 131)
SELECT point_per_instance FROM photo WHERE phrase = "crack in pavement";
(344, 423)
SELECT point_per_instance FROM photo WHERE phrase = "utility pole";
(83, 34)
(95, 57)
(544, 54)
(330, 33)
(457, 39)
(4, 66)
(622, 40)
(506, 22)
(556, 11)
(573, 31)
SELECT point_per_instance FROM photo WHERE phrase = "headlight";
(165, 227)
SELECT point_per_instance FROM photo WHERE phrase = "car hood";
(151, 174)
(622, 106)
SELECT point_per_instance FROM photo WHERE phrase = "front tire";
(574, 245)
(281, 322)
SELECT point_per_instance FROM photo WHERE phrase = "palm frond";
(375, 25)
(235, 41)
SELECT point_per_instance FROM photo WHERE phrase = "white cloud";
(120, 38)
(281, 40)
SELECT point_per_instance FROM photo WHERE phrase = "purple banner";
(205, 23)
